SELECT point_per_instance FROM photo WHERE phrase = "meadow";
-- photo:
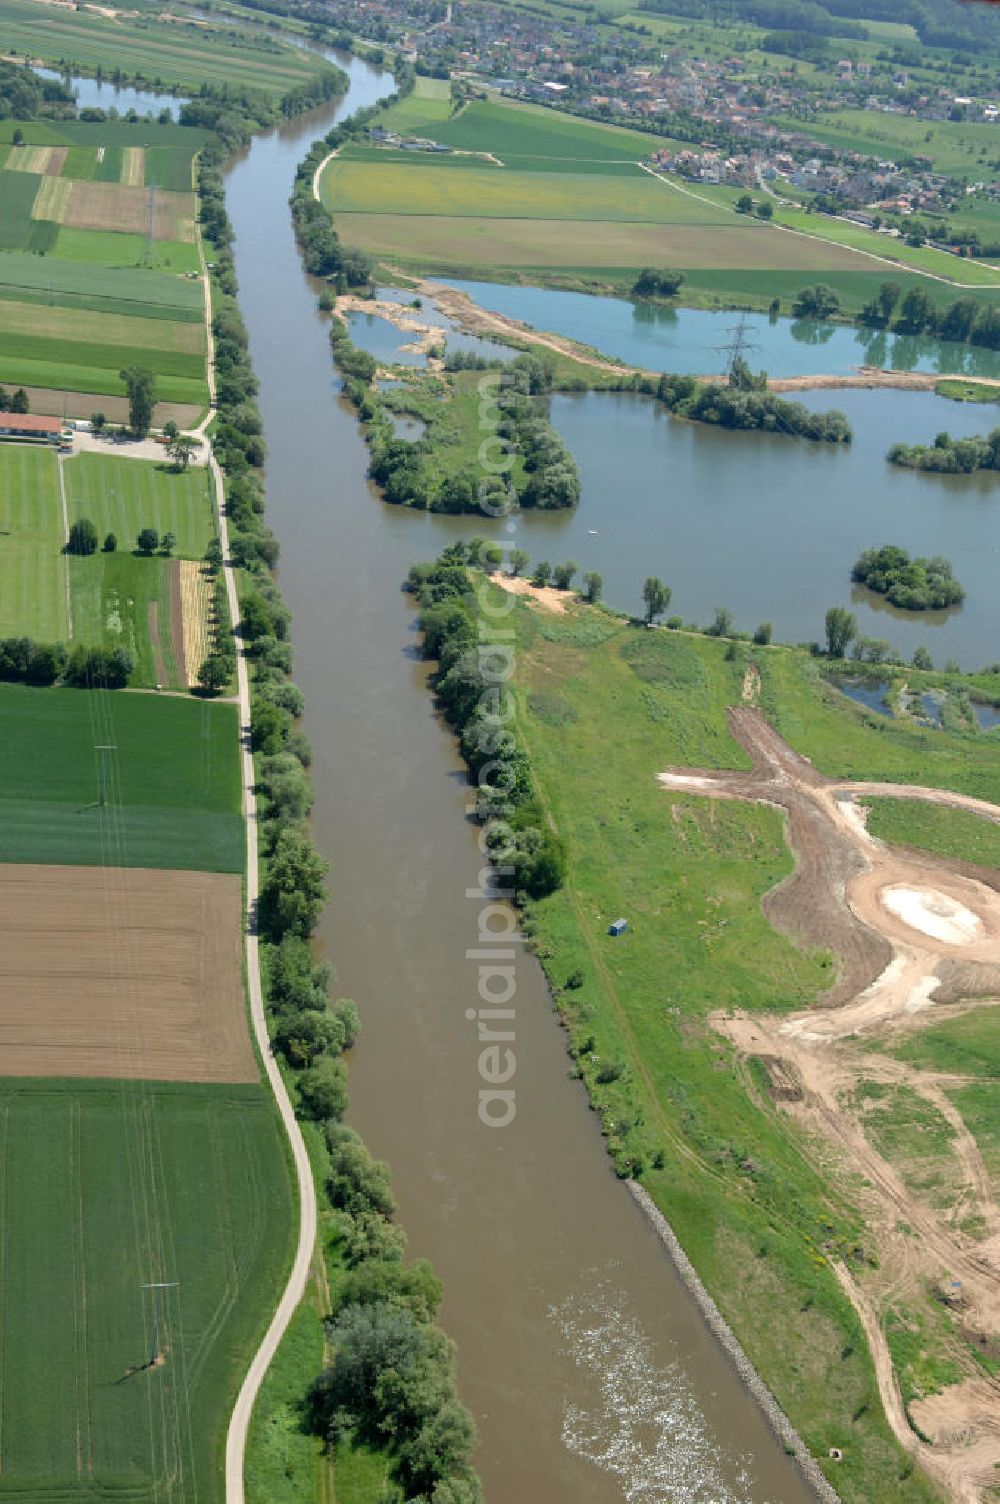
(174, 54)
(174, 780)
(945, 832)
(32, 564)
(755, 1211)
(122, 496)
(112, 1185)
(119, 600)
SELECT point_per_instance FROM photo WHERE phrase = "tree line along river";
(589, 1371)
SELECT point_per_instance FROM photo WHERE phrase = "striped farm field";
(483, 192)
(124, 289)
(32, 564)
(122, 496)
(119, 283)
(51, 199)
(43, 159)
(179, 54)
(177, 780)
(133, 169)
(57, 374)
(35, 349)
(100, 328)
(110, 1185)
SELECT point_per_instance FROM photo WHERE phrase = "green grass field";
(601, 708)
(964, 1046)
(946, 832)
(116, 248)
(129, 290)
(399, 187)
(32, 564)
(17, 194)
(122, 601)
(175, 785)
(179, 55)
(122, 496)
(88, 326)
(109, 1186)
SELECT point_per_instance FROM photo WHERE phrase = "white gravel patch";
(933, 914)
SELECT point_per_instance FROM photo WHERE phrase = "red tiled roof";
(29, 423)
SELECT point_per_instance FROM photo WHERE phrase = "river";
(589, 1371)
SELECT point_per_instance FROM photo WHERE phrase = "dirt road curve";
(236, 1437)
(909, 931)
(294, 1290)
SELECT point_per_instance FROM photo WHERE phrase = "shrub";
(82, 537)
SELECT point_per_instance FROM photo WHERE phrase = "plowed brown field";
(122, 972)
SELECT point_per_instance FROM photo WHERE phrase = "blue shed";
(618, 927)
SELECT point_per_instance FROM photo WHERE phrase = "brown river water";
(590, 1373)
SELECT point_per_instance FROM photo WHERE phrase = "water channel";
(693, 341)
(591, 1375)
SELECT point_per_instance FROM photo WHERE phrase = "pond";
(770, 526)
(92, 93)
(383, 340)
(873, 694)
(987, 716)
(406, 427)
(694, 342)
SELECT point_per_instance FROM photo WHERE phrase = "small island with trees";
(948, 456)
(746, 403)
(910, 584)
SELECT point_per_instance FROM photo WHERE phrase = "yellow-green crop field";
(418, 186)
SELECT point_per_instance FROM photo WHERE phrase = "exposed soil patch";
(122, 972)
(908, 929)
(153, 625)
(545, 596)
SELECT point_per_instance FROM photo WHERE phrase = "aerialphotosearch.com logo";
(496, 952)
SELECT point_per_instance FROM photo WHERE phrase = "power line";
(738, 345)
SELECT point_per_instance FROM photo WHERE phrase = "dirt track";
(908, 930)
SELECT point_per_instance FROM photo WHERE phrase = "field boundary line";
(295, 1287)
(298, 1276)
(60, 461)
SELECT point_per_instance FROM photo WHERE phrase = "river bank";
(472, 318)
(716, 1141)
(657, 1406)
